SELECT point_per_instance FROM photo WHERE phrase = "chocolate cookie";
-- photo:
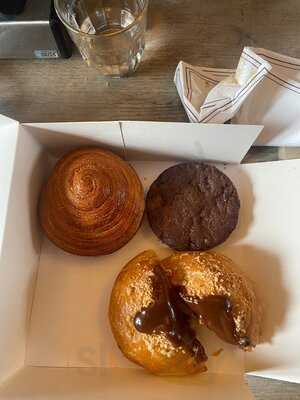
(192, 206)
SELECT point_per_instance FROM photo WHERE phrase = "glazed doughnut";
(157, 307)
(92, 204)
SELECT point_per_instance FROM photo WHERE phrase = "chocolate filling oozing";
(171, 315)
(173, 311)
(216, 313)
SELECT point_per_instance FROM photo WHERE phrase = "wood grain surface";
(204, 32)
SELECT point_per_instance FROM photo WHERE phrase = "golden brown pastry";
(157, 307)
(92, 204)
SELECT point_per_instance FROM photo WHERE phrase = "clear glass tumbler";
(110, 34)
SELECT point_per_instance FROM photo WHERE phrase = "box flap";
(184, 141)
(8, 137)
(151, 140)
(266, 246)
(62, 137)
(22, 173)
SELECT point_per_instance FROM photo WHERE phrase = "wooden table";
(204, 32)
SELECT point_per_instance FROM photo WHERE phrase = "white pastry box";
(55, 341)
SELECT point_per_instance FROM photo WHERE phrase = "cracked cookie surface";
(192, 206)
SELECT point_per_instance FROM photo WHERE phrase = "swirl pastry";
(92, 204)
(157, 307)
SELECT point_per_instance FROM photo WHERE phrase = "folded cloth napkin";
(264, 89)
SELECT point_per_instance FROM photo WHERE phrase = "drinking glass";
(110, 34)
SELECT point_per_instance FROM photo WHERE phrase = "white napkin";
(263, 90)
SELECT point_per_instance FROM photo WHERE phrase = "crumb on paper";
(217, 353)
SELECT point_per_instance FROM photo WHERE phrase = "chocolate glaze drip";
(173, 311)
(171, 315)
